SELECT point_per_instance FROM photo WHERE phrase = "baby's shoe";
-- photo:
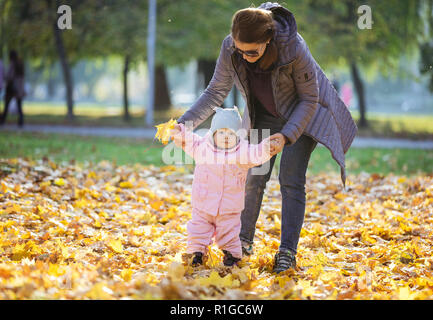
(197, 259)
(229, 260)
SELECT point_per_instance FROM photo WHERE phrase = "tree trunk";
(359, 87)
(162, 93)
(67, 76)
(206, 69)
(126, 115)
(2, 36)
(426, 52)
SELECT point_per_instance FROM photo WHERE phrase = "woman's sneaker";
(247, 248)
(284, 261)
(229, 260)
(197, 259)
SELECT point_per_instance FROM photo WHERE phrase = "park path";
(149, 133)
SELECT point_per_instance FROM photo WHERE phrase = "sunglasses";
(249, 53)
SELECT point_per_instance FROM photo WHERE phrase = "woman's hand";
(278, 140)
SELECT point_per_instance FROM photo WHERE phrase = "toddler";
(222, 160)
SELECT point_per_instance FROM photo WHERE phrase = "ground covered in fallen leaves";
(118, 232)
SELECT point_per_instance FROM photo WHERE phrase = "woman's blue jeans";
(292, 178)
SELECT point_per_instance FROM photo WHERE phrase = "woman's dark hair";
(16, 61)
(253, 25)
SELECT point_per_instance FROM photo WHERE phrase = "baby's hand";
(273, 146)
(178, 140)
(266, 144)
(175, 130)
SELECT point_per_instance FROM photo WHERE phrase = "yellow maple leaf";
(401, 180)
(100, 291)
(125, 184)
(59, 182)
(404, 293)
(176, 270)
(116, 246)
(163, 130)
(315, 270)
(45, 184)
(19, 252)
(283, 280)
(126, 274)
(110, 188)
(92, 174)
(97, 224)
(277, 222)
(172, 212)
(63, 250)
(305, 286)
(320, 259)
(55, 270)
(14, 208)
(215, 280)
(156, 204)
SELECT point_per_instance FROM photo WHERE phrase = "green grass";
(396, 126)
(90, 115)
(60, 148)
(125, 151)
(375, 160)
(383, 125)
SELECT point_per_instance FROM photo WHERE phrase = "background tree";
(396, 24)
(195, 29)
(426, 42)
(31, 28)
(124, 31)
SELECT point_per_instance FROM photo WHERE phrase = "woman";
(287, 93)
(14, 86)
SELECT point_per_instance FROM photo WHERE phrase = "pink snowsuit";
(218, 189)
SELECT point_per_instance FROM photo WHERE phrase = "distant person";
(14, 87)
(346, 94)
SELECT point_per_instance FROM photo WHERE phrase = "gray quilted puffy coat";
(303, 94)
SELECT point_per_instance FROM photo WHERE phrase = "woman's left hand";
(278, 140)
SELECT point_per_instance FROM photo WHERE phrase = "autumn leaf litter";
(103, 231)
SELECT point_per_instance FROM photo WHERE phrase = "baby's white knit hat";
(226, 118)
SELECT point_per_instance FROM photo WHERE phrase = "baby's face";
(225, 138)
